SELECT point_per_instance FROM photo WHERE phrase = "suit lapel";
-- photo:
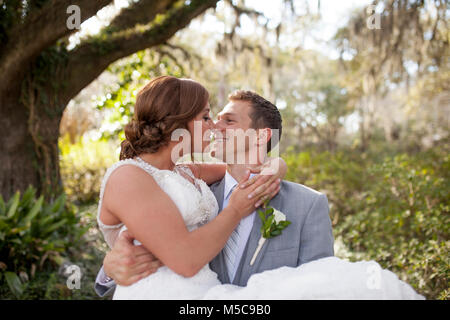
(218, 193)
(245, 269)
(218, 264)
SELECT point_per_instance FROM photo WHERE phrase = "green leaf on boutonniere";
(276, 232)
(262, 216)
(270, 226)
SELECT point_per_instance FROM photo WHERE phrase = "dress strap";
(185, 172)
(146, 166)
(185, 169)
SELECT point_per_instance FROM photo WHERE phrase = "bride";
(171, 211)
(165, 206)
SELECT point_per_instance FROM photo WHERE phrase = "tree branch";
(90, 58)
(139, 13)
(239, 10)
(244, 10)
(41, 29)
(188, 56)
(163, 53)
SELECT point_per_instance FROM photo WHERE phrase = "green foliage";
(83, 165)
(133, 73)
(403, 222)
(14, 283)
(340, 175)
(394, 210)
(35, 236)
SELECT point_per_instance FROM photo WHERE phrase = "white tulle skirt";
(328, 279)
(168, 285)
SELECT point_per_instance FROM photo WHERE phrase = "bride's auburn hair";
(165, 104)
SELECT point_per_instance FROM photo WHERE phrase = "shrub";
(340, 175)
(394, 210)
(35, 237)
(403, 223)
(83, 165)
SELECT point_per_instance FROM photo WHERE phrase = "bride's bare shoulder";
(128, 177)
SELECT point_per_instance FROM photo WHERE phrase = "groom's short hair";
(264, 114)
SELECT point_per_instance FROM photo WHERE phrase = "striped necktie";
(231, 248)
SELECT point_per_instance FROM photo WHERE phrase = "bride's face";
(200, 129)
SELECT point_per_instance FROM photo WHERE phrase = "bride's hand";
(276, 169)
(241, 199)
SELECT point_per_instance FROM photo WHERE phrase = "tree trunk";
(16, 158)
(29, 131)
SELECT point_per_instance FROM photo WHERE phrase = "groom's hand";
(127, 263)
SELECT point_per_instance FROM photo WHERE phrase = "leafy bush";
(403, 223)
(395, 212)
(35, 238)
(83, 165)
(340, 175)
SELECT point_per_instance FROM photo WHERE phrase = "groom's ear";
(264, 136)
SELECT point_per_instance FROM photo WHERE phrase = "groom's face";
(233, 120)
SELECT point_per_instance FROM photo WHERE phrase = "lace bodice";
(195, 202)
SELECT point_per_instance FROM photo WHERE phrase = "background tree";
(40, 75)
(411, 45)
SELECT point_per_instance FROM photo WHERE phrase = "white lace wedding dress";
(197, 205)
(328, 278)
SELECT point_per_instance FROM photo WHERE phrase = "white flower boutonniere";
(273, 223)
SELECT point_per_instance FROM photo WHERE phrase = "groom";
(309, 236)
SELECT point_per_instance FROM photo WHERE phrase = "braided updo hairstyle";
(162, 106)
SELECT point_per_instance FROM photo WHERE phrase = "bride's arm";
(153, 218)
(276, 168)
(208, 172)
(213, 172)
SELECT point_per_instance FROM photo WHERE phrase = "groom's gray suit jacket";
(309, 236)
